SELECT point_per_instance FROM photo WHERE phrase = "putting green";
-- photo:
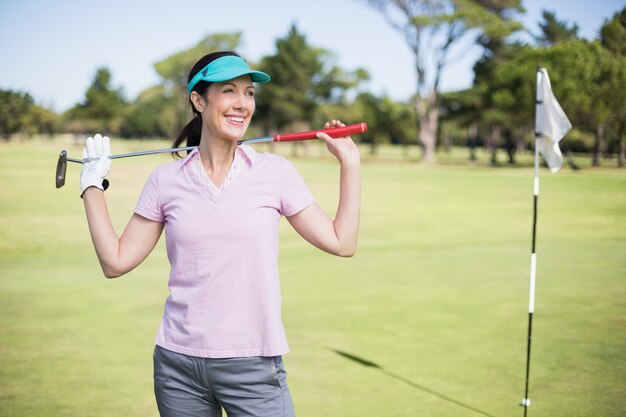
(429, 318)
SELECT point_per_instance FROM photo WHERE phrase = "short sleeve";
(149, 205)
(294, 194)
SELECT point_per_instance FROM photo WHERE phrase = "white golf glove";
(96, 163)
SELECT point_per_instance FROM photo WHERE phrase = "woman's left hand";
(338, 236)
(343, 148)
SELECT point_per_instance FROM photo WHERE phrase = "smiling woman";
(215, 68)
(221, 338)
(227, 108)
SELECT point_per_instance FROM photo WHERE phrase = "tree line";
(496, 112)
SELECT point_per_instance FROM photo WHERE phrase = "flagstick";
(533, 271)
(533, 254)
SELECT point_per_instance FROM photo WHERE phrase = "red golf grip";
(335, 132)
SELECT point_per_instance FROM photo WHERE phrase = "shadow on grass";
(400, 378)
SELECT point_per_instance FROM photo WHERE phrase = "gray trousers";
(188, 386)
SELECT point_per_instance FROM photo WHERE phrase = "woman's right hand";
(96, 163)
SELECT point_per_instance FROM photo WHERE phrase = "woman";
(221, 340)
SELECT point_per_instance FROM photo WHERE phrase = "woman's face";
(228, 108)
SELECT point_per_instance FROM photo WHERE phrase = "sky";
(51, 49)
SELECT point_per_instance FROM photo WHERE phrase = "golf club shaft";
(131, 154)
(336, 132)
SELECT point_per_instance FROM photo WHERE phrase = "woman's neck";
(217, 156)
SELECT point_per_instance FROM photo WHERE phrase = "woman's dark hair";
(191, 133)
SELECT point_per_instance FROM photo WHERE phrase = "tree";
(152, 114)
(431, 28)
(303, 78)
(40, 120)
(386, 119)
(613, 38)
(505, 93)
(585, 78)
(174, 71)
(13, 107)
(463, 109)
(554, 31)
(595, 87)
(588, 81)
(613, 34)
(492, 121)
(102, 108)
(20, 114)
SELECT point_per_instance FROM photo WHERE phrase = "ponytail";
(191, 133)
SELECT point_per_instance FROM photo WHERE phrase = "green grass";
(436, 297)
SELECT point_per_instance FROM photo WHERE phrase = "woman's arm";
(118, 256)
(338, 236)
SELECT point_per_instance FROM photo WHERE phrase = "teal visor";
(224, 69)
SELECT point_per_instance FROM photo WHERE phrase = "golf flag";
(551, 123)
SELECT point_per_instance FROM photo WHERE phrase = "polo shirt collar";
(248, 152)
(189, 157)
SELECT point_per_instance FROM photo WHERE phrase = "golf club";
(335, 132)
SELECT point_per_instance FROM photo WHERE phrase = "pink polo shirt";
(225, 298)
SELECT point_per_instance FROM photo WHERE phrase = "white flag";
(551, 123)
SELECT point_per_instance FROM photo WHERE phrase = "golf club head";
(61, 168)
